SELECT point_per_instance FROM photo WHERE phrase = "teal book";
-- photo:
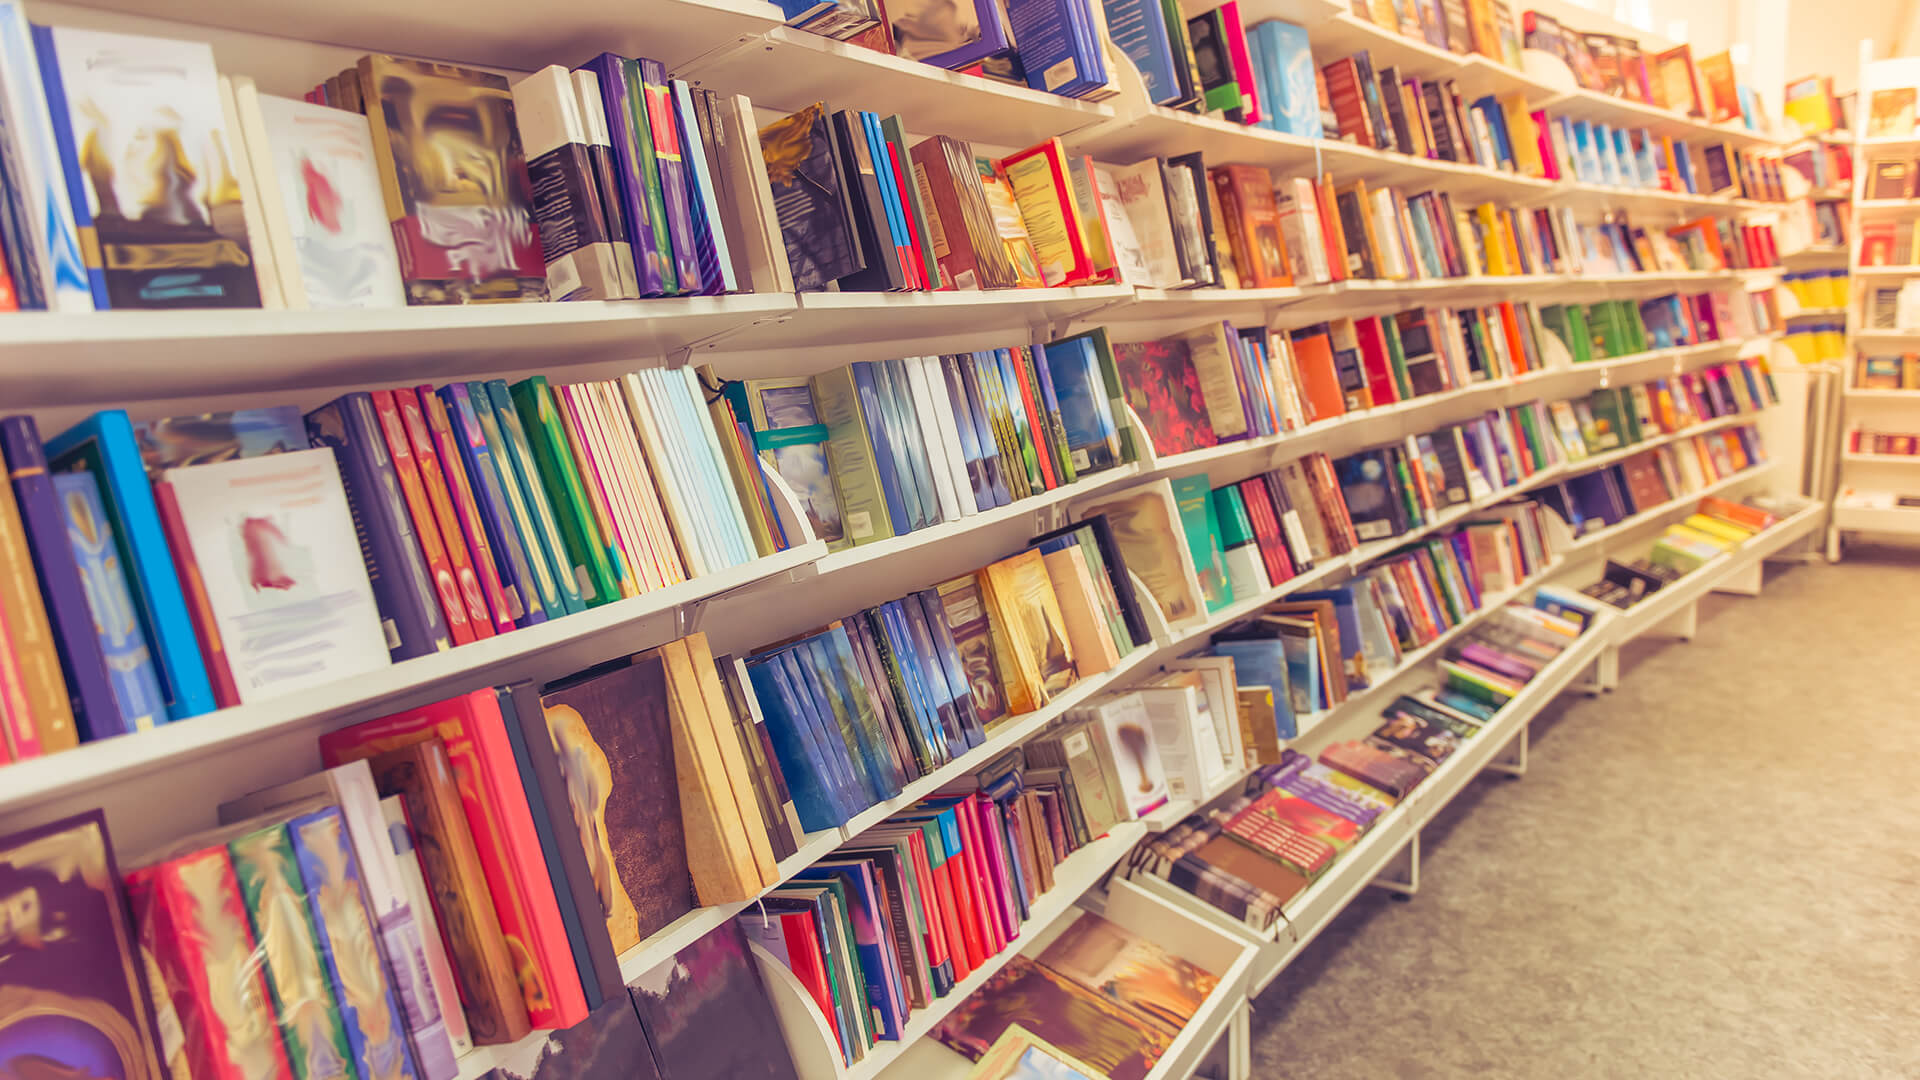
(130, 669)
(1194, 497)
(104, 446)
(555, 467)
(501, 421)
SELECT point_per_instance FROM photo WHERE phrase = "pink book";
(502, 610)
(1549, 161)
(498, 813)
(999, 864)
(1236, 35)
(986, 898)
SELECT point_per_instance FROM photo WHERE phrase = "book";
(810, 199)
(564, 187)
(1078, 1020)
(429, 201)
(1163, 388)
(1165, 990)
(1145, 521)
(1891, 112)
(711, 988)
(610, 1044)
(50, 271)
(181, 239)
(130, 663)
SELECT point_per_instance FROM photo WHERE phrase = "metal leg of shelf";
(1744, 583)
(1683, 623)
(1514, 764)
(1405, 888)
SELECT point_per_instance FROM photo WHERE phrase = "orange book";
(1253, 225)
(1314, 372)
(1330, 230)
(440, 498)
(1510, 322)
(424, 529)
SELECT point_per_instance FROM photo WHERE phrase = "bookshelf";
(1867, 489)
(160, 784)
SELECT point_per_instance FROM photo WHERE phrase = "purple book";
(1469, 572)
(650, 251)
(1495, 661)
(95, 712)
(664, 128)
(914, 41)
(409, 609)
(706, 1014)
(490, 498)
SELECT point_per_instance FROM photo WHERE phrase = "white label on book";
(859, 524)
(1061, 73)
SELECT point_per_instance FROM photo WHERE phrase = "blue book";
(519, 578)
(515, 454)
(1346, 614)
(908, 694)
(933, 673)
(835, 755)
(834, 683)
(1497, 126)
(854, 688)
(652, 248)
(926, 702)
(878, 961)
(349, 945)
(1623, 158)
(709, 235)
(1053, 49)
(62, 274)
(889, 186)
(1293, 104)
(908, 440)
(1053, 424)
(678, 387)
(948, 651)
(1263, 662)
(130, 670)
(801, 758)
(889, 465)
(968, 366)
(983, 496)
(1139, 30)
(104, 446)
(61, 124)
(993, 38)
(804, 669)
(402, 587)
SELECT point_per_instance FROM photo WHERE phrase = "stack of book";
(218, 550)
(1900, 372)
(460, 874)
(1861, 440)
(1102, 995)
(1716, 526)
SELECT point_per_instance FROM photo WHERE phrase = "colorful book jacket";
(178, 441)
(623, 104)
(106, 445)
(273, 538)
(444, 450)
(302, 989)
(426, 529)
(1104, 957)
(1163, 390)
(376, 1028)
(193, 926)
(663, 128)
(60, 271)
(435, 128)
(712, 987)
(525, 578)
(166, 217)
(495, 804)
(1081, 1022)
(95, 712)
(614, 737)
(130, 670)
(77, 992)
(809, 199)
(579, 535)
(513, 449)
(402, 586)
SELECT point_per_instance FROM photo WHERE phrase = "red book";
(1036, 420)
(953, 941)
(808, 964)
(1511, 323)
(505, 607)
(914, 263)
(1343, 90)
(953, 873)
(213, 654)
(193, 927)
(986, 898)
(998, 863)
(1319, 381)
(1374, 361)
(1332, 234)
(424, 528)
(1049, 179)
(433, 478)
(499, 816)
(935, 913)
(1266, 529)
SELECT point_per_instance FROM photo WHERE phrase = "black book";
(1453, 470)
(883, 272)
(1367, 488)
(810, 199)
(1435, 101)
(1396, 110)
(1353, 222)
(1370, 97)
(1196, 168)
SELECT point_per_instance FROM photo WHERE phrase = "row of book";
(1886, 372)
(1054, 46)
(459, 875)
(1864, 440)
(1673, 80)
(171, 567)
(1885, 243)
(1827, 166)
(1889, 178)
(1611, 329)
(1716, 525)
(1654, 477)
(1296, 817)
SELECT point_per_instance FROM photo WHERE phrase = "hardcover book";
(1163, 388)
(52, 273)
(436, 127)
(1146, 527)
(1078, 1020)
(810, 199)
(610, 1044)
(130, 664)
(706, 1013)
(275, 545)
(178, 441)
(142, 141)
(302, 990)
(76, 980)
(1164, 989)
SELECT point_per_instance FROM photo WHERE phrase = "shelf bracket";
(1403, 888)
(1514, 764)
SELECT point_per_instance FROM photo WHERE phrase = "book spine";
(426, 532)
(534, 511)
(1034, 369)
(709, 230)
(50, 710)
(402, 586)
(794, 747)
(592, 462)
(565, 192)
(870, 413)
(213, 653)
(96, 715)
(437, 448)
(621, 101)
(519, 585)
(579, 537)
(972, 457)
(670, 188)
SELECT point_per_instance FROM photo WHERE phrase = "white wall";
(1823, 36)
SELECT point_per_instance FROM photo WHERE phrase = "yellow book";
(1023, 601)
(733, 757)
(1093, 647)
(718, 854)
(1523, 135)
(1713, 526)
(1491, 239)
(1043, 189)
(1695, 536)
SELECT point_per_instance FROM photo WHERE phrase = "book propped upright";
(1043, 185)
(811, 199)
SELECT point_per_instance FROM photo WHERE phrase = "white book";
(931, 441)
(1142, 193)
(422, 978)
(715, 476)
(685, 471)
(1123, 244)
(1386, 223)
(414, 880)
(565, 188)
(266, 260)
(1300, 229)
(597, 475)
(320, 189)
(42, 186)
(1184, 736)
(695, 130)
(946, 418)
(593, 114)
(1223, 698)
(746, 201)
(1136, 756)
(637, 477)
(669, 472)
(280, 559)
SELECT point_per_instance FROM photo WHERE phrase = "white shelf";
(922, 318)
(1884, 271)
(790, 69)
(1686, 500)
(1862, 458)
(1671, 598)
(524, 653)
(1345, 34)
(1877, 519)
(1885, 395)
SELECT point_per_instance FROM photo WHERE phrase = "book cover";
(662, 129)
(1163, 388)
(610, 1044)
(178, 441)
(810, 199)
(1139, 974)
(167, 220)
(1076, 1019)
(706, 1013)
(75, 975)
(51, 268)
(583, 260)
(458, 241)
(320, 188)
(95, 712)
(130, 664)
(1145, 522)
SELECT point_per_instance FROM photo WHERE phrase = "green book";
(542, 534)
(276, 900)
(579, 534)
(1397, 359)
(1530, 431)
(1103, 587)
(649, 165)
(1451, 593)
(1609, 426)
(1630, 431)
(1238, 544)
(1194, 497)
(856, 475)
(1579, 338)
(1403, 483)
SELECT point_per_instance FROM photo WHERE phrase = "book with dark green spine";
(275, 895)
(1194, 497)
(649, 168)
(1397, 359)
(579, 534)
(1608, 424)
(501, 421)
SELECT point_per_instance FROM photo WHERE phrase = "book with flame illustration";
(275, 545)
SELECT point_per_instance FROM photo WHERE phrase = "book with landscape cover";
(706, 1013)
(1166, 990)
(1072, 1017)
